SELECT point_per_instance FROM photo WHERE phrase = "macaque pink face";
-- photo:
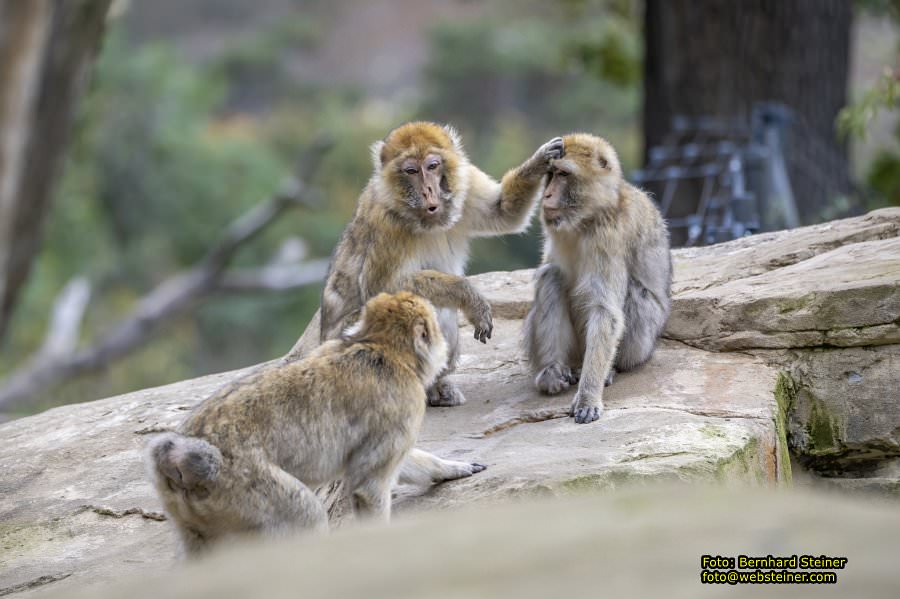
(556, 197)
(428, 192)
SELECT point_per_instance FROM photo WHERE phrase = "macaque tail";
(184, 461)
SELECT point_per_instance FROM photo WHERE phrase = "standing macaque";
(603, 294)
(411, 231)
(246, 459)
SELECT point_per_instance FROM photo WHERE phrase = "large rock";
(639, 543)
(821, 303)
(818, 304)
(76, 508)
(843, 406)
(686, 415)
(848, 296)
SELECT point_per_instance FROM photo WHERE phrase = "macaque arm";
(451, 291)
(441, 289)
(604, 327)
(493, 208)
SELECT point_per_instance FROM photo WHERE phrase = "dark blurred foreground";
(635, 543)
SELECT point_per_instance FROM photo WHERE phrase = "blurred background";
(174, 174)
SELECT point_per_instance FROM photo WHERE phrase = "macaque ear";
(420, 330)
(377, 152)
(421, 338)
(451, 131)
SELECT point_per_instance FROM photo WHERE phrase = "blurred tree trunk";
(719, 57)
(46, 50)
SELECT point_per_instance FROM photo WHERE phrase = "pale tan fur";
(246, 459)
(603, 294)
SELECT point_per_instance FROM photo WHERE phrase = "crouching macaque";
(411, 231)
(246, 459)
(602, 295)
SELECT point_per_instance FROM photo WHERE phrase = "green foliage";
(149, 152)
(883, 95)
(884, 176)
(254, 65)
(888, 8)
(152, 179)
(855, 120)
(610, 53)
(558, 73)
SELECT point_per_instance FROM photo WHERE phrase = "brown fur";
(245, 460)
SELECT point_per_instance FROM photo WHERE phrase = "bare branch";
(65, 322)
(274, 278)
(173, 297)
(58, 360)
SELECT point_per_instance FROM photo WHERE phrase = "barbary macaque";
(603, 293)
(411, 231)
(247, 458)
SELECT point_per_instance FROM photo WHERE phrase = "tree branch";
(58, 359)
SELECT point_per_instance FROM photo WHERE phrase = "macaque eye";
(432, 166)
(410, 170)
(562, 174)
(603, 163)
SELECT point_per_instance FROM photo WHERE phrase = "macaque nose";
(431, 202)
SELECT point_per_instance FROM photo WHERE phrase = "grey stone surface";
(843, 414)
(75, 508)
(849, 296)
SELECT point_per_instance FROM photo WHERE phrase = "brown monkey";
(411, 231)
(602, 297)
(246, 458)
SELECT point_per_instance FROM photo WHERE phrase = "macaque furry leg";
(645, 320)
(605, 328)
(423, 469)
(550, 339)
(292, 505)
(442, 392)
(209, 498)
(372, 499)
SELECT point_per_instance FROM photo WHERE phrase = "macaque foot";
(454, 470)
(585, 411)
(445, 394)
(555, 378)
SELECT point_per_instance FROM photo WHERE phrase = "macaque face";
(557, 204)
(428, 194)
